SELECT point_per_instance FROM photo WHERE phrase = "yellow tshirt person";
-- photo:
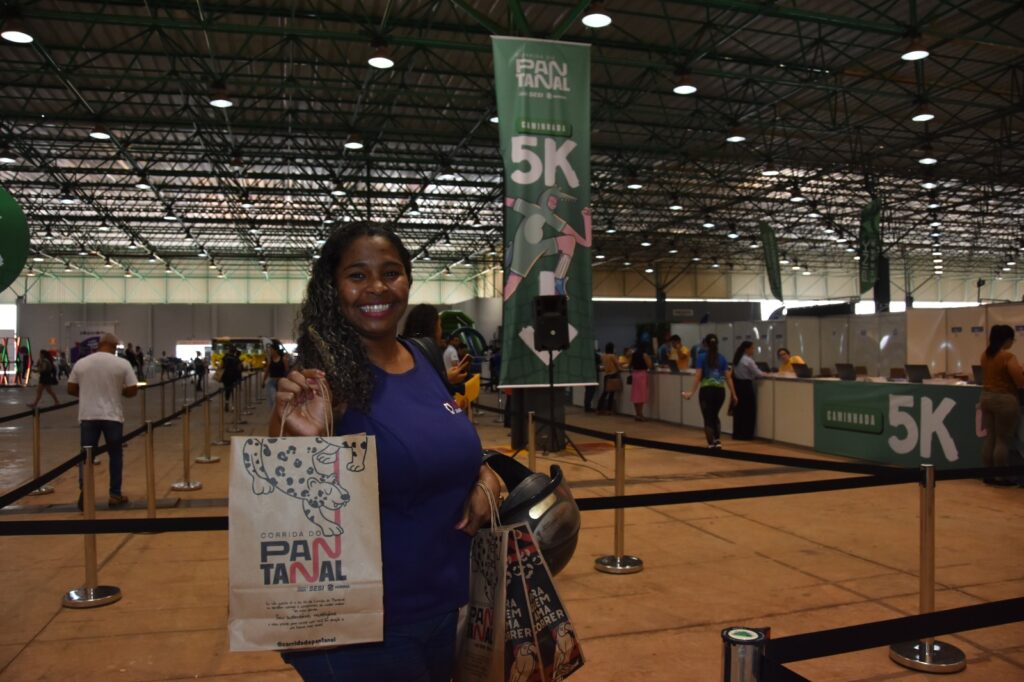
(786, 361)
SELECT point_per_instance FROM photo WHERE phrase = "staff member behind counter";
(1002, 376)
(786, 361)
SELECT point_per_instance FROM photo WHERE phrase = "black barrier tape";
(979, 472)
(26, 488)
(738, 493)
(23, 490)
(774, 672)
(78, 527)
(882, 633)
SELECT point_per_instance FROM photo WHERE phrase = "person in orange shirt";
(1002, 376)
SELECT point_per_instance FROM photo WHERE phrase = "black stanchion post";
(206, 457)
(186, 484)
(142, 401)
(163, 404)
(620, 562)
(743, 653)
(37, 453)
(928, 655)
(92, 593)
(531, 442)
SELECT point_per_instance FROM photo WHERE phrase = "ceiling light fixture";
(610, 229)
(381, 56)
(645, 241)
(733, 235)
(927, 158)
(770, 171)
(684, 83)
(219, 96)
(493, 119)
(99, 132)
(915, 51)
(649, 270)
(169, 216)
(600, 256)
(797, 197)
(735, 136)
(143, 183)
(784, 260)
(355, 141)
(708, 224)
(633, 183)
(715, 265)
(922, 114)
(675, 205)
(596, 16)
(928, 184)
(7, 156)
(15, 32)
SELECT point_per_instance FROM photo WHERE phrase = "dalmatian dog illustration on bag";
(305, 473)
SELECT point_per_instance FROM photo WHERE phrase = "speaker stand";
(551, 411)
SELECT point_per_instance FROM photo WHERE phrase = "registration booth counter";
(896, 423)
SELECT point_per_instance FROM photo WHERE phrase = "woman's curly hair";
(328, 341)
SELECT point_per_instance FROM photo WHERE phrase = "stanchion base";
(943, 657)
(187, 485)
(42, 490)
(221, 442)
(203, 459)
(88, 597)
(619, 564)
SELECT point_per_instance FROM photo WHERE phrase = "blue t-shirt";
(428, 460)
(712, 375)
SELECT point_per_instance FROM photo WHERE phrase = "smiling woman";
(429, 456)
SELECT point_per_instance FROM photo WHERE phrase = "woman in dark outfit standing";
(744, 372)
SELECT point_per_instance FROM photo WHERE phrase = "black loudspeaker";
(550, 323)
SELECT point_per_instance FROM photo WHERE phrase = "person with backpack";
(47, 378)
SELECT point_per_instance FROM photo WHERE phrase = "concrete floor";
(796, 563)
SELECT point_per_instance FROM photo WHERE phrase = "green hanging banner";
(543, 90)
(13, 240)
(870, 244)
(771, 260)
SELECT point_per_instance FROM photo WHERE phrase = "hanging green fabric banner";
(543, 90)
(14, 245)
(771, 260)
(870, 244)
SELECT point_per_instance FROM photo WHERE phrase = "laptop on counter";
(802, 371)
(846, 372)
(763, 366)
(917, 373)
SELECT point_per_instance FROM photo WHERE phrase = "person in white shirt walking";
(100, 381)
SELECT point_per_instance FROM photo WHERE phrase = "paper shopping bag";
(304, 543)
(480, 648)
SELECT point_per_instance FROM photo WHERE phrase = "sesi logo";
(920, 432)
(452, 407)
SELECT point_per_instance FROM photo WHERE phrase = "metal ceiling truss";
(817, 88)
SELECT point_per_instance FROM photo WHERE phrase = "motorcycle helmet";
(542, 502)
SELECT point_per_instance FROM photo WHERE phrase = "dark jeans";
(606, 403)
(744, 417)
(416, 652)
(112, 432)
(711, 399)
(588, 398)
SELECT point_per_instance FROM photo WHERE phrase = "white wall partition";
(967, 336)
(803, 338)
(926, 338)
(835, 345)
(864, 338)
(892, 340)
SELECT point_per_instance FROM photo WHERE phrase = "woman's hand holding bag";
(302, 407)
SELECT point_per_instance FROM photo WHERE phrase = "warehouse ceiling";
(817, 88)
